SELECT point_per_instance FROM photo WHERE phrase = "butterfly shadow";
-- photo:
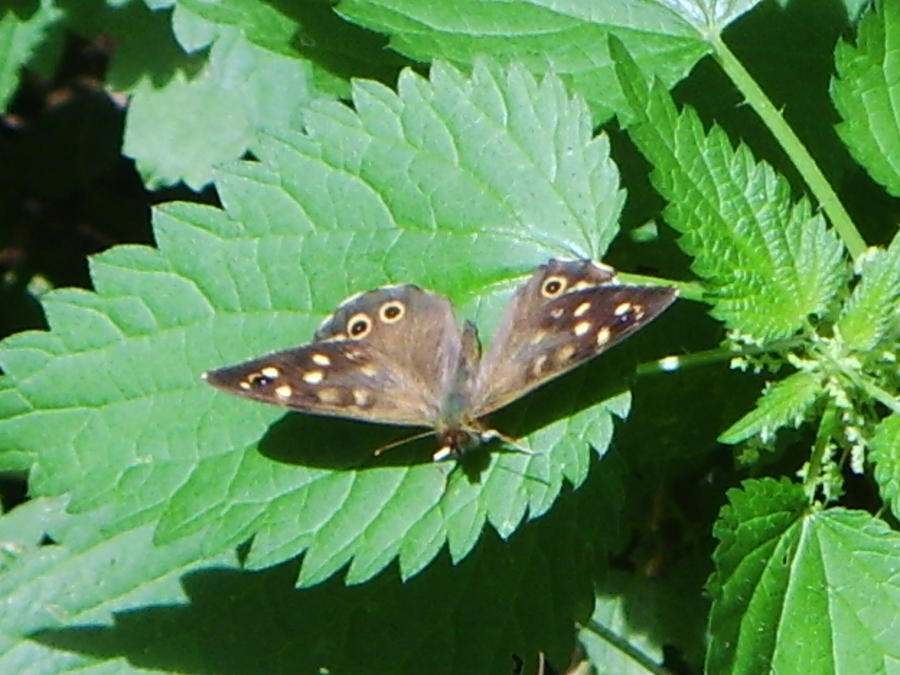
(341, 444)
(566, 396)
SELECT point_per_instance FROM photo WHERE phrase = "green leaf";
(884, 453)
(792, 591)
(348, 201)
(146, 53)
(334, 49)
(865, 91)
(635, 617)
(23, 529)
(84, 581)
(871, 314)
(14, 456)
(782, 403)
(769, 263)
(122, 593)
(179, 132)
(568, 38)
(21, 33)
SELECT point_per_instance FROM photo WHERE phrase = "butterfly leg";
(488, 435)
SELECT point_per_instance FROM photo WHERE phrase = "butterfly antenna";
(401, 441)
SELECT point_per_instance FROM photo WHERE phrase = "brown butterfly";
(395, 355)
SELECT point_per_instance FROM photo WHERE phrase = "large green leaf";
(567, 38)
(793, 588)
(458, 184)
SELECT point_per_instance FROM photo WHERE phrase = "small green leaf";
(871, 314)
(636, 610)
(792, 591)
(885, 455)
(783, 403)
(21, 33)
(177, 132)
(865, 92)
(769, 263)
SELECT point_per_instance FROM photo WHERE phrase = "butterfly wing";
(384, 356)
(565, 314)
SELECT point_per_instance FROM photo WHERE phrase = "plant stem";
(792, 145)
(627, 648)
(708, 356)
(827, 425)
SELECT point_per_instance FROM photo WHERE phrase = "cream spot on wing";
(581, 309)
(244, 384)
(313, 376)
(603, 336)
(359, 326)
(553, 286)
(362, 397)
(581, 328)
(538, 336)
(329, 395)
(283, 391)
(369, 370)
(565, 353)
(538, 366)
(271, 372)
(622, 308)
(557, 312)
(392, 311)
(581, 285)
(321, 360)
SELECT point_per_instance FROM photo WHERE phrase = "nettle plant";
(169, 523)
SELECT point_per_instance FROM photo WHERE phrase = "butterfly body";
(396, 354)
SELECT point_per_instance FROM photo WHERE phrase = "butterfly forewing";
(384, 356)
(567, 313)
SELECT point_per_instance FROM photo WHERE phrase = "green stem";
(827, 426)
(626, 647)
(709, 356)
(788, 140)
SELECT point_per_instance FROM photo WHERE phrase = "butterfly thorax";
(455, 429)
